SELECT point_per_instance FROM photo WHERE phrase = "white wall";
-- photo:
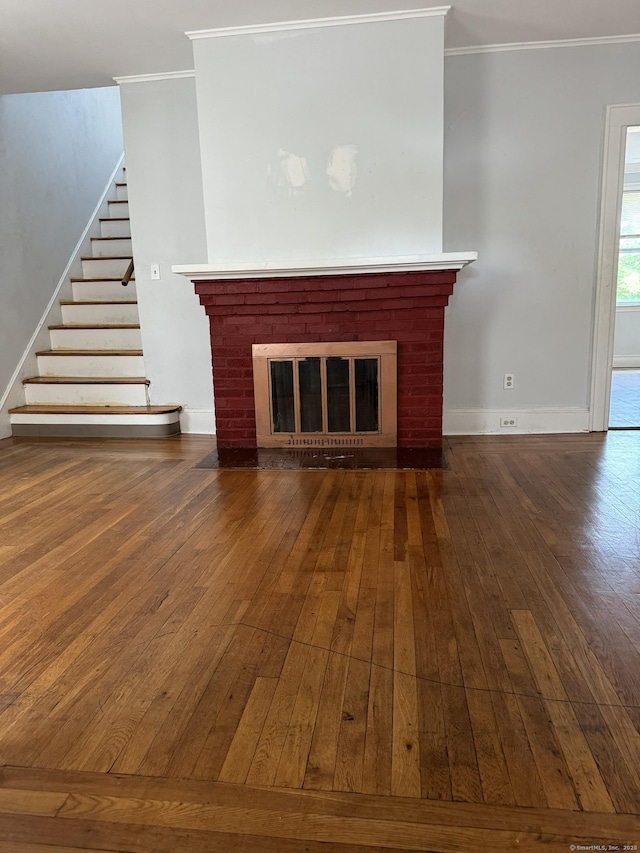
(57, 152)
(523, 161)
(626, 345)
(322, 143)
(167, 221)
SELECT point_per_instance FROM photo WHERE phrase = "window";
(629, 257)
(628, 285)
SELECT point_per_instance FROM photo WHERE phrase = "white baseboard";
(455, 421)
(626, 361)
(487, 421)
(198, 421)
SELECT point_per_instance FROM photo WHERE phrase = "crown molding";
(383, 16)
(313, 23)
(542, 45)
(150, 78)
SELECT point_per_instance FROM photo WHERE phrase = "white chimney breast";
(322, 142)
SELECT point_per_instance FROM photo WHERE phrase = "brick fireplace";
(323, 189)
(391, 302)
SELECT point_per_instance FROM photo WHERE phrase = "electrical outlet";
(509, 381)
(155, 272)
(508, 422)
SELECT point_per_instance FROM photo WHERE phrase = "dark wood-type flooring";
(194, 660)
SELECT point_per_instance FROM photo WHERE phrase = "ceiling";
(71, 44)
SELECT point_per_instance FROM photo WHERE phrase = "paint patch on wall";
(289, 171)
(341, 168)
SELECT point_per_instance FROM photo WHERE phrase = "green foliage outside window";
(629, 277)
(629, 258)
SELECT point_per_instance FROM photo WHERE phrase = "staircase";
(91, 381)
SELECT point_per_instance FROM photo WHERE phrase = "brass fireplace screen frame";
(386, 354)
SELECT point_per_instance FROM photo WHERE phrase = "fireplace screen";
(326, 395)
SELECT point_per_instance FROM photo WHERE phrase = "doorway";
(618, 276)
(624, 410)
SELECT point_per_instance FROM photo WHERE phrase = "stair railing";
(127, 276)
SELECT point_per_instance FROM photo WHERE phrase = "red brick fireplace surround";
(405, 306)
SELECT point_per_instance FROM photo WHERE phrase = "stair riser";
(115, 228)
(121, 193)
(88, 314)
(104, 267)
(95, 339)
(86, 395)
(95, 426)
(108, 248)
(90, 365)
(118, 208)
(107, 291)
(86, 429)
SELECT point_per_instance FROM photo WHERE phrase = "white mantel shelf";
(340, 266)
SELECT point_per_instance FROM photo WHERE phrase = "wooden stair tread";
(46, 409)
(98, 301)
(121, 183)
(95, 326)
(86, 380)
(110, 257)
(111, 238)
(100, 280)
(91, 352)
(114, 219)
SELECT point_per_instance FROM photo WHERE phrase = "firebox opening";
(326, 394)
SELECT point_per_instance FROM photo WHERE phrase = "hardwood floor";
(301, 660)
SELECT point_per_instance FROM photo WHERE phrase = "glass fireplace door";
(338, 394)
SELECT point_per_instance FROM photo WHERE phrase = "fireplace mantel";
(399, 299)
(339, 266)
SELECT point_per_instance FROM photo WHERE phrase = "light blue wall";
(524, 135)
(281, 113)
(164, 179)
(57, 152)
